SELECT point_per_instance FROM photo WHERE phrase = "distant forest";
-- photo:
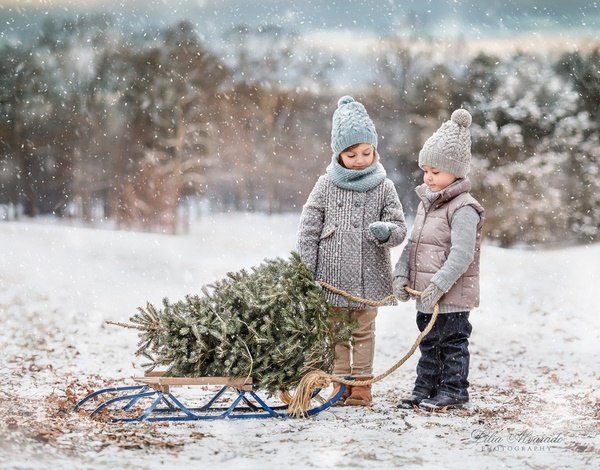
(145, 130)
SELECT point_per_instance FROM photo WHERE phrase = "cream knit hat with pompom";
(449, 148)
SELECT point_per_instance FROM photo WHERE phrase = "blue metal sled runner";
(152, 400)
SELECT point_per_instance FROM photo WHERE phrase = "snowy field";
(534, 366)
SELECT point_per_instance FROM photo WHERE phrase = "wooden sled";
(153, 400)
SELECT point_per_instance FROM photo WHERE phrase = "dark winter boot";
(413, 401)
(361, 394)
(442, 402)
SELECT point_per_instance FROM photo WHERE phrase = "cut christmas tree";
(271, 323)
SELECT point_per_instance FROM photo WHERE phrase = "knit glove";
(430, 297)
(381, 230)
(398, 288)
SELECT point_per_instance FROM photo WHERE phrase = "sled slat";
(239, 383)
(154, 373)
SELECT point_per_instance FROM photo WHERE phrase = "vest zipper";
(426, 213)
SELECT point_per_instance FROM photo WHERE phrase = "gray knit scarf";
(356, 180)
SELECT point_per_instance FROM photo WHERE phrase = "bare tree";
(165, 95)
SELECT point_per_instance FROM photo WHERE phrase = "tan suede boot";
(336, 388)
(361, 394)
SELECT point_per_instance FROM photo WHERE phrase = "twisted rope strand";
(372, 303)
(314, 379)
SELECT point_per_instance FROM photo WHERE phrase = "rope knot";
(300, 402)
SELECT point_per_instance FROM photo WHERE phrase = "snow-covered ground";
(534, 366)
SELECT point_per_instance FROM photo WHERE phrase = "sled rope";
(372, 303)
(314, 379)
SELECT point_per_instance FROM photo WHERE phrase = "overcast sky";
(480, 18)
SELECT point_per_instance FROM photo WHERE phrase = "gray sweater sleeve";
(402, 268)
(463, 236)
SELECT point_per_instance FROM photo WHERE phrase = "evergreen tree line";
(137, 128)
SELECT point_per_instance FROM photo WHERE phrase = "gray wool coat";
(335, 242)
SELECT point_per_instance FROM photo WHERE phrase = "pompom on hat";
(351, 125)
(449, 148)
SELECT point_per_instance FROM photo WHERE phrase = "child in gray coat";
(351, 218)
(441, 259)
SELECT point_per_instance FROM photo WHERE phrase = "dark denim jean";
(444, 364)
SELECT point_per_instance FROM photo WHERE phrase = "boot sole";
(355, 402)
(340, 402)
(407, 406)
(426, 407)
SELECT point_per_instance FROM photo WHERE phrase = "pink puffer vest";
(431, 244)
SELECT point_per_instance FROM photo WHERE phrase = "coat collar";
(462, 185)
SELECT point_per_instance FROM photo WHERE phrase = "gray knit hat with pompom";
(449, 148)
(351, 125)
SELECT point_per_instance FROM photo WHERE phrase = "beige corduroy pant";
(355, 357)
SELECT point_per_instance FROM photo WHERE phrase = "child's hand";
(398, 288)
(381, 230)
(430, 297)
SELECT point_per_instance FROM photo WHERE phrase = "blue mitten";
(381, 230)
(430, 297)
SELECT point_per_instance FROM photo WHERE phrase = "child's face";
(437, 179)
(358, 157)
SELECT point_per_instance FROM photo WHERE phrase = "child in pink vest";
(441, 260)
